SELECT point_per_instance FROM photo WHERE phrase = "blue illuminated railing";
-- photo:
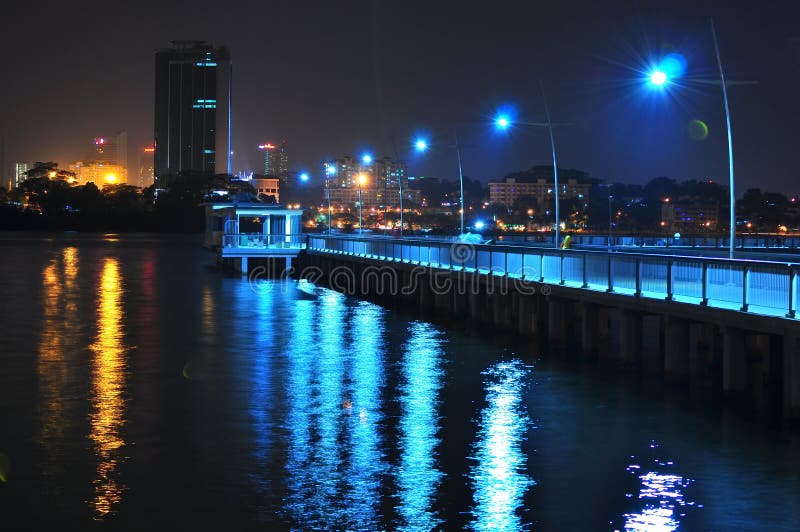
(761, 287)
(262, 241)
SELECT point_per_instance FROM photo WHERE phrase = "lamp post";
(661, 78)
(504, 122)
(610, 197)
(330, 171)
(460, 181)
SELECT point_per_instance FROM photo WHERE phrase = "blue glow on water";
(499, 476)
(417, 474)
(366, 465)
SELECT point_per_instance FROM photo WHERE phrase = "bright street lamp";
(672, 66)
(366, 158)
(304, 177)
(503, 122)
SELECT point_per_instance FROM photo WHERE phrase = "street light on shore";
(503, 122)
(672, 67)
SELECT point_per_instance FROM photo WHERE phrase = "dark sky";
(342, 77)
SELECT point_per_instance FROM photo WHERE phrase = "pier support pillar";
(676, 347)
(244, 265)
(590, 333)
(526, 320)
(791, 376)
(557, 321)
(426, 296)
(630, 336)
(734, 362)
(288, 266)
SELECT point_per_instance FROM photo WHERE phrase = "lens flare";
(698, 130)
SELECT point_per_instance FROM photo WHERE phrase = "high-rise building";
(271, 159)
(146, 168)
(192, 109)
(283, 163)
(20, 170)
(381, 183)
(112, 150)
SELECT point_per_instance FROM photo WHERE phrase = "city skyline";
(371, 89)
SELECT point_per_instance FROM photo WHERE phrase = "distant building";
(111, 150)
(267, 186)
(507, 192)
(271, 159)
(19, 176)
(381, 187)
(98, 173)
(689, 216)
(192, 109)
(283, 163)
(146, 174)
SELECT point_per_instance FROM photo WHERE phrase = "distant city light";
(266, 146)
(479, 224)
(149, 150)
(111, 178)
(366, 158)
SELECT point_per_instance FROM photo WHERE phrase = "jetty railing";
(761, 287)
(264, 241)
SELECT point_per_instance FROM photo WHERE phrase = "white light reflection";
(366, 380)
(663, 496)
(499, 478)
(417, 476)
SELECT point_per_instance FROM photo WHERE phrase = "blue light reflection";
(421, 381)
(499, 477)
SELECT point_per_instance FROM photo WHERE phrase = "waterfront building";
(506, 192)
(689, 216)
(192, 109)
(267, 186)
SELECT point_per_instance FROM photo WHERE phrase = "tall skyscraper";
(112, 149)
(271, 160)
(146, 172)
(192, 109)
(283, 163)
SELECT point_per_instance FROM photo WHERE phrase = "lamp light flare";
(304, 177)
(658, 78)
(366, 158)
(421, 145)
(502, 122)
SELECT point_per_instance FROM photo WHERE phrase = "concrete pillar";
(460, 303)
(791, 376)
(630, 337)
(676, 347)
(557, 324)
(702, 346)
(426, 296)
(244, 265)
(526, 320)
(589, 328)
(288, 263)
(734, 362)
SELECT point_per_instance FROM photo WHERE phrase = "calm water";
(141, 387)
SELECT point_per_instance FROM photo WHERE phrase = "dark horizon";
(353, 75)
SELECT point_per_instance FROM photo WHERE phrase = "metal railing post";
(792, 277)
(541, 266)
(585, 280)
(505, 263)
(561, 269)
(610, 282)
(704, 280)
(638, 274)
(745, 275)
(669, 280)
(490, 261)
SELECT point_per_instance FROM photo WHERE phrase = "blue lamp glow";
(421, 145)
(330, 169)
(479, 225)
(366, 158)
(304, 177)
(502, 122)
(658, 78)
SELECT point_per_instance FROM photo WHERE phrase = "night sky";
(343, 77)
